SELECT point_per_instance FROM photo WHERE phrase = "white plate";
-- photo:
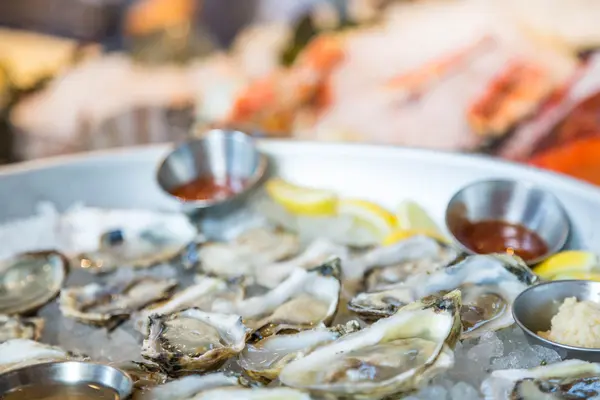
(124, 178)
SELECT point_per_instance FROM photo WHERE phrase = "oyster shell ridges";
(109, 305)
(212, 340)
(22, 294)
(413, 345)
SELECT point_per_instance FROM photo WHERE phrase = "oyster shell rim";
(514, 265)
(185, 364)
(68, 301)
(53, 293)
(272, 372)
(329, 268)
(406, 381)
(37, 324)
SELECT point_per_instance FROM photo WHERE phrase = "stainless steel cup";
(514, 202)
(534, 308)
(218, 153)
(68, 373)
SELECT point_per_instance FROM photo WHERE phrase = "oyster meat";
(264, 359)
(30, 280)
(252, 249)
(144, 375)
(392, 264)
(20, 328)
(206, 292)
(188, 386)
(109, 305)
(395, 354)
(193, 340)
(112, 239)
(489, 285)
(304, 300)
(19, 353)
(571, 379)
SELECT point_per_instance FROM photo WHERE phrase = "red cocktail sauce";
(495, 236)
(209, 188)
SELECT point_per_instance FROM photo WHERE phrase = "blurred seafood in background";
(564, 136)
(27, 62)
(462, 75)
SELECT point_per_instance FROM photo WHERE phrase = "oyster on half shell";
(144, 375)
(264, 359)
(193, 341)
(109, 305)
(206, 292)
(304, 300)
(30, 280)
(252, 249)
(489, 285)
(19, 353)
(393, 264)
(136, 239)
(185, 388)
(316, 253)
(571, 379)
(20, 328)
(390, 264)
(394, 355)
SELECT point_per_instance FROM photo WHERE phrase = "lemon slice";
(403, 234)
(570, 261)
(412, 217)
(302, 200)
(369, 215)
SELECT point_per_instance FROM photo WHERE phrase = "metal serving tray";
(125, 178)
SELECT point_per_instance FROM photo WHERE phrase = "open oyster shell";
(415, 255)
(30, 280)
(489, 284)
(252, 249)
(386, 265)
(304, 300)
(144, 375)
(108, 305)
(19, 353)
(133, 238)
(316, 253)
(571, 379)
(188, 386)
(206, 292)
(20, 328)
(264, 359)
(395, 354)
(193, 340)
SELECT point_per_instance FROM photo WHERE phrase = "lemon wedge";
(567, 262)
(369, 215)
(403, 234)
(412, 217)
(302, 200)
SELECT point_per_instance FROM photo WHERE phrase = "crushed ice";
(474, 359)
(34, 233)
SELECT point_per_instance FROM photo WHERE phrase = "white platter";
(124, 178)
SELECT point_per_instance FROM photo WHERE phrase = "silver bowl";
(68, 373)
(218, 153)
(514, 202)
(534, 308)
